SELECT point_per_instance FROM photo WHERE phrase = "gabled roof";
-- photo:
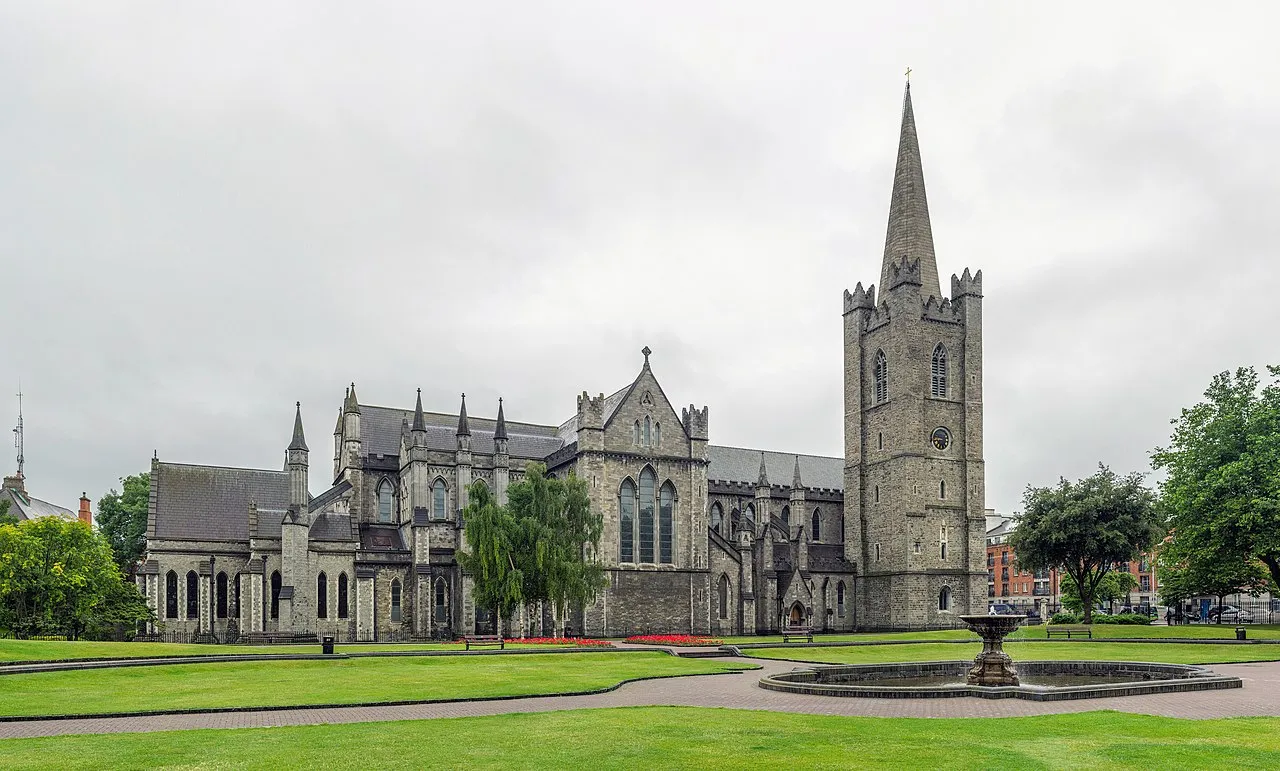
(211, 503)
(380, 433)
(23, 506)
(738, 464)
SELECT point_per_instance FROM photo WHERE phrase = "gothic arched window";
(938, 372)
(193, 594)
(635, 434)
(385, 499)
(717, 518)
(666, 524)
(944, 598)
(749, 518)
(342, 595)
(786, 516)
(881, 377)
(222, 594)
(648, 431)
(439, 498)
(724, 595)
(815, 525)
(735, 521)
(171, 595)
(395, 601)
(648, 491)
(840, 598)
(275, 594)
(626, 521)
(322, 596)
(441, 601)
(657, 434)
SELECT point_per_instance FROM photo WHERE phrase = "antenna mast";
(17, 432)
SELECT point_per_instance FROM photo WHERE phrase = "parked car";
(1006, 610)
(1230, 614)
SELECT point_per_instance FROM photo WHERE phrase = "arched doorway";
(796, 616)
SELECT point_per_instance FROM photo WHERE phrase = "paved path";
(1259, 696)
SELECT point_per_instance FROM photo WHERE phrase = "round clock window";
(940, 438)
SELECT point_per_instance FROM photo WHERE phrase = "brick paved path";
(1259, 696)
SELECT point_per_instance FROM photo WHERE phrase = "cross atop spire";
(463, 429)
(909, 233)
(299, 442)
(419, 422)
(500, 431)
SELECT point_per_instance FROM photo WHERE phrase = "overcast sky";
(209, 211)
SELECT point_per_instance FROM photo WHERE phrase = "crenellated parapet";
(905, 272)
(878, 318)
(942, 310)
(966, 285)
(590, 411)
(859, 299)
(695, 421)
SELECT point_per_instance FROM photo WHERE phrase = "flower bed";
(674, 639)
(579, 641)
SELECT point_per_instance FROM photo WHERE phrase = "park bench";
(798, 631)
(484, 639)
(1068, 630)
(279, 638)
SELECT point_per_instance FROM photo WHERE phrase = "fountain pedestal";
(993, 667)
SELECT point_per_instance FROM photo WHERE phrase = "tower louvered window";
(881, 377)
(938, 370)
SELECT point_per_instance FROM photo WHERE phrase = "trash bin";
(1239, 633)
(326, 645)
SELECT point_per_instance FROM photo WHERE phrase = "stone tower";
(914, 480)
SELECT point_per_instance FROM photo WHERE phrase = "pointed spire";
(463, 429)
(298, 443)
(796, 484)
(909, 231)
(419, 422)
(352, 403)
(500, 431)
(763, 480)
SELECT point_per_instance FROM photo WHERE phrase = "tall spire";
(463, 429)
(909, 231)
(298, 443)
(500, 431)
(419, 422)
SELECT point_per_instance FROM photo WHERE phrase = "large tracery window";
(938, 373)
(666, 524)
(626, 522)
(881, 377)
(648, 490)
(385, 499)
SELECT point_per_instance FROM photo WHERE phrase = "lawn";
(683, 737)
(1100, 631)
(40, 650)
(1184, 653)
(341, 681)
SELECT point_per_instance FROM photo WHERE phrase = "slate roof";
(376, 538)
(738, 464)
(211, 503)
(568, 430)
(330, 527)
(828, 558)
(380, 433)
(23, 506)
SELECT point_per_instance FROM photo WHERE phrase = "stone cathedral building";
(698, 537)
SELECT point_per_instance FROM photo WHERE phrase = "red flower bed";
(674, 639)
(579, 641)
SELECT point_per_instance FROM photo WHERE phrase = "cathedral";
(698, 537)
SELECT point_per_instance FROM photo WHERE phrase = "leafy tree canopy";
(1188, 565)
(59, 577)
(122, 519)
(1083, 528)
(5, 517)
(1114, 587)
(1222, 492)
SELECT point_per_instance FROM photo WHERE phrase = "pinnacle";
(500, 431)
(419, 422)
(463, 429)
(299, 442)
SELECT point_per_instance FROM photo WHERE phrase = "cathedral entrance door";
(797, 615)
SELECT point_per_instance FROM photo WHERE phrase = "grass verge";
(683, 737)
(1189, 653)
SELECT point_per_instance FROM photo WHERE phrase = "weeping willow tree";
(493, 544)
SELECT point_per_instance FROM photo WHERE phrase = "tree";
(1083, 528)
(1114, 587)
(122, 518)
(1188, 566)
(493, 540)
(5, 517)
(1222, 492)
(59, 577)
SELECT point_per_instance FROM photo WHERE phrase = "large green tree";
(494, 540)
(59, 577)
(1222, 489)
(1084, 528)
(122, 519)
(1188, 565)
(1114, 587)
(5, 517)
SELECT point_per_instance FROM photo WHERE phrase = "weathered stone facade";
(698, 538)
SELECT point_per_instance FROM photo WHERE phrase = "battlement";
(590, 411)
(944, 311)
(878, 318)
(695, 421)
(859, 298)
(966, 285)
(905, 272)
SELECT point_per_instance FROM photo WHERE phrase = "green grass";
(683, 737)
(1100, 631)
(341, 681)
(39, 650)
(1186, 653)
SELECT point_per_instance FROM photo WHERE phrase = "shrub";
(1066, 618)
(673, 639)
(1131, 618)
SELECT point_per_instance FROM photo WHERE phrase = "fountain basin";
(1041, 680)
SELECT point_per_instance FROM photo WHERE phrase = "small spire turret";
(463, 428)
(500, 431)
(299, 441)
(763, 479)
(795, 479)
(419, 422)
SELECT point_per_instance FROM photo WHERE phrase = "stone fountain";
(993, 667)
